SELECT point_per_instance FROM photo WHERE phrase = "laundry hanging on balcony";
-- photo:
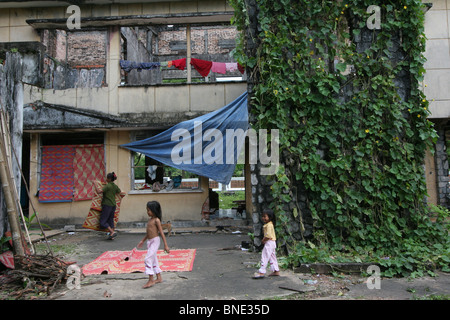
(179, 63)
(209, 145)
(204, 67)
(139, 66)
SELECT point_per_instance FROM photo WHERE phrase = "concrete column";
(188, 53)
(113, 70)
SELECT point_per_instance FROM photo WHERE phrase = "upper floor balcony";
(102, 66)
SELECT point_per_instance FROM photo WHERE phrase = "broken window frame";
(182, 77)
(61, 74)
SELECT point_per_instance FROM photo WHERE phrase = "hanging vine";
(353, 127)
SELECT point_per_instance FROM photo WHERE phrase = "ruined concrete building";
(83, 97)
(80, 103)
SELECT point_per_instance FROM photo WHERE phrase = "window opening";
(151, 175)
(150, 54)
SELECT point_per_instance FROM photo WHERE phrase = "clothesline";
(204, 67)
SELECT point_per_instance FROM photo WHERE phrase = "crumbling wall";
(442, 172)
(74, 59)
(11, 101)
(164, 43)
(86, 48)
(204, 40)
(138, 49)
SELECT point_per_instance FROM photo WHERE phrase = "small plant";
(3, 241)
(433, 297)
(29, 222)
(440, 211)
(226, 199)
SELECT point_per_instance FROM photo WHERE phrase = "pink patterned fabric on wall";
(89, 166)
(68, 172)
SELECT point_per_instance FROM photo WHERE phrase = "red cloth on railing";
(241, 68)
(202, 66)
(179, 64)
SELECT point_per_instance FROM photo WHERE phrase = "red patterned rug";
(56, 174)
(7, 259)
(68, 171)
(114, 262)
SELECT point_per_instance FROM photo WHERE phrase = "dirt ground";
(317, 286)
(222, 271)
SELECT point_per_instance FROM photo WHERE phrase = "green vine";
(351, 113)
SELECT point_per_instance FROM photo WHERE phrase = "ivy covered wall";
(341, 82)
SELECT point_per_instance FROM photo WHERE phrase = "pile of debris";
(34, 276)
(29, 275)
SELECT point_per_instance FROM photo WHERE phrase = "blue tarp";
(208, 145)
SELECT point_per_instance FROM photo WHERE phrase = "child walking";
(153, 242)
(270, 246)
(109, 205)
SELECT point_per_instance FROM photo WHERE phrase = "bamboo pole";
(31, 202)
(10, 206)
(7, 143)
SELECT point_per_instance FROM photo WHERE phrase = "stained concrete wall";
(437, 77)
(141, 99)
(165, 102)
(11, 97)
(13, 27)
(113, 98)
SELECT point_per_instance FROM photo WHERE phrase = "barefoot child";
(153, 241)
(270, 246)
